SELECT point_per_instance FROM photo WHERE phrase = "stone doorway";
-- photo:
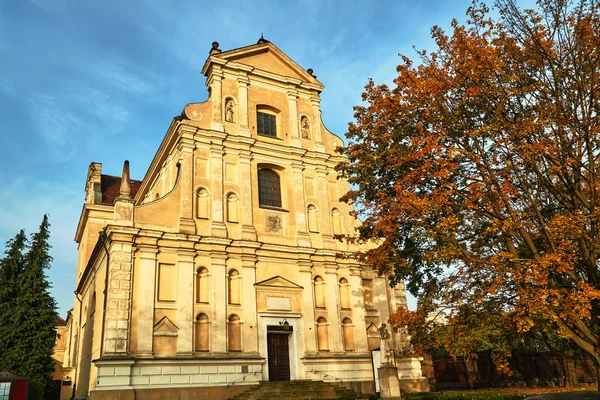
(278, 356)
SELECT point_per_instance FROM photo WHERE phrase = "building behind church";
(220, 268)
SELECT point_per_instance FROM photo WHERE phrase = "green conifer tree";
(34, 316)
(11, 266)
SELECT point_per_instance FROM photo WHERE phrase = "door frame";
(292, 342)
(279, 333)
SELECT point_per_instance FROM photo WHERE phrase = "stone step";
(298, 390)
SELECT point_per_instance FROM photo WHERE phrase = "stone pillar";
(248, 230)
(185, 300)
(216, 96)
(358, 311)
(335, 335)
(249, 328)
(300, 205)
(308, 310)
(218, 227)
(389, 384)
(316, 117)
(147, 276)
(292, 96)
(186, 182)
(243, 106)
(219, 325)
(118, 296)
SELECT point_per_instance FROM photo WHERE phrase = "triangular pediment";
(372, 328)
(264, 57)
(165, 327)
(278, 281)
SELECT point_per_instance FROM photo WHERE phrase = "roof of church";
(110, 186)
(59, 321)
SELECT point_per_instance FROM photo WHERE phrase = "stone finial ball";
(215, 45)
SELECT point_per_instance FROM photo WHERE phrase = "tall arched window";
(348, 331)
(344, 293)
(319, 289)
(269, 188)
(313, 218)
(233, 287)
(202, 281)
(336, 221)
(234, 333)
(322, 334)
(202, 337)
(202, 203)
(232, 208)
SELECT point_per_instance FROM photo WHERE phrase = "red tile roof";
(110, 186)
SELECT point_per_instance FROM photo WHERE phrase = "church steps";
(301, 389)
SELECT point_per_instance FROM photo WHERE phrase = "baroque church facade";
(220, 268)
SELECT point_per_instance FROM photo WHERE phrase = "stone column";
(250, 328)
(147, 276)
(243, 106)
(185, 300)
(118, 296)
(216, 96)
(219, 301)
(248, 230)
(358, 311)
(218, 227)
(335, 334)
(316, 117)
(186, 177)
(292, 96)
(300, 205)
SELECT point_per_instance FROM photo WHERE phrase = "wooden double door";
(278, 356)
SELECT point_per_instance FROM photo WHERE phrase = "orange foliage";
(477, 170)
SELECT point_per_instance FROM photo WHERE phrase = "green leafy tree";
(34, 315)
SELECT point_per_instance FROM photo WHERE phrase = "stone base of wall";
(366, 387)
(412, 385)
(188, 393)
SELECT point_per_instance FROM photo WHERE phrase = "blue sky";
(84, 81)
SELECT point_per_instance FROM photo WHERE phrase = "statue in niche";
(229, 111)
(384, 347)
(305, 127)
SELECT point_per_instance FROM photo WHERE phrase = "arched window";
(269, 188)
(234, 333)
(313, 218)
(202, 336)
(319, 289)
(348, 331)
(202, 282)
(322, 334)
(202, 203)
(344, 293)
(232, 208)
(336, 221)
(233, 287)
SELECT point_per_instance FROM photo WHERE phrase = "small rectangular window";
(267, 124)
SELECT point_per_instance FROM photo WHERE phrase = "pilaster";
(249, 328)
(292, 96)
(219, 325)
(308, 310)
(147, 276)
(358, 311)
(185, 297)
(248, 230)
(315, 101)
(218, 227)
(324, 208)
(216, 94)
(299, 198)
(243, 105)
(335, 334)
(186, 217)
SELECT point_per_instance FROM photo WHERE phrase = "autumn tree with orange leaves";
(477, 172)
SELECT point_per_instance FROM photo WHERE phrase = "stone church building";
(220, 268)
